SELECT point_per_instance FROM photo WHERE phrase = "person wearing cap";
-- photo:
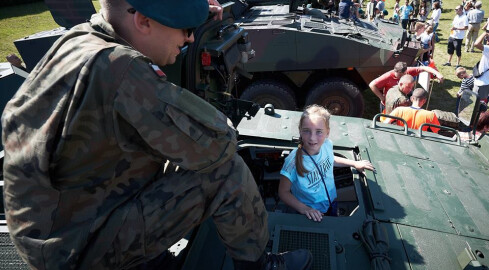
(457, 34)
(381, 85)
(475, 17)
(107, 164)
(414, 115)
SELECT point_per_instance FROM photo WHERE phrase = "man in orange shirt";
(414, 115)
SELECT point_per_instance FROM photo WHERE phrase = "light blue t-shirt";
(310, 189)
(405, 11)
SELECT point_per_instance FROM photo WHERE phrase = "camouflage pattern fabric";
(86, 138)
(169, 207)
(447, 119)
(395, 98)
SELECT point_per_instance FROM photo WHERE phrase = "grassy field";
(23, 20)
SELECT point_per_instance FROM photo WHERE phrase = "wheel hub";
(337, 105)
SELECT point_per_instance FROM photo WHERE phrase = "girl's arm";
(360, 165)
(288, 198)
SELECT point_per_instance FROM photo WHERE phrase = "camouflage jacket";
(90, 127)
(395, 98)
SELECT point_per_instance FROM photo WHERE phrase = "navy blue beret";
(173, 13)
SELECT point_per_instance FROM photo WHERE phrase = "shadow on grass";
(441, 99)
(22, 10)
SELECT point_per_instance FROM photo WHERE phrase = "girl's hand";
(363, 164)
(313, 214)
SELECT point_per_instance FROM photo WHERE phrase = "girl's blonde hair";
(311, 110)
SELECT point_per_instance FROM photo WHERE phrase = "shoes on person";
(472, 50)
(457, 66)
(300, 259)
(447, 64)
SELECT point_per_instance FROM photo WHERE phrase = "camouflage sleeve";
(170, 122)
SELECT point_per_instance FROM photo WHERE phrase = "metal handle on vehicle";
(420, 130)
(374, 121)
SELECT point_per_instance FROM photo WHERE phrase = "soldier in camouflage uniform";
(398, 95)
(92, 139)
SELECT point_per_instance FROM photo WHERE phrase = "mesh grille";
(317, 243)
(9, 259)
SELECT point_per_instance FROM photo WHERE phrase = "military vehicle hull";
(428, 197)
(427, 203)
(306, 57)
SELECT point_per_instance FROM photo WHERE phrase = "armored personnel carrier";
(425, 207)
(305, 56)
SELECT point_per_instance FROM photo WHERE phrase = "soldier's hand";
(215, 7)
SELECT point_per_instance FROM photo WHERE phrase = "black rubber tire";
(274, 92)
(339, 96)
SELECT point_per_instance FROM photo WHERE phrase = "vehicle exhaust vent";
(8, 255)
(318, 241)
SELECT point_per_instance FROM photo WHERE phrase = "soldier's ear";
(141, 23)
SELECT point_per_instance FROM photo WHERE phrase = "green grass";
(23, 20)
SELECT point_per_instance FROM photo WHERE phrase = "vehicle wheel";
(276, 93)
(339, 96)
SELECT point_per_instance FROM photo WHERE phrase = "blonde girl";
(306, 182)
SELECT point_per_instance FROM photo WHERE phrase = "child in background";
(306, 182)
(423, 12)
(428, 43)
(466, 85)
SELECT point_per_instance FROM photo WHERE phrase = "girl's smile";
(313, 133)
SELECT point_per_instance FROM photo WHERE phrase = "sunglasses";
(189, 31)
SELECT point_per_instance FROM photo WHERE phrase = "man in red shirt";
(414, 115)
(386, 81)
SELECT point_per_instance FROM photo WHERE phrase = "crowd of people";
(395, 88)
(397, 98)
